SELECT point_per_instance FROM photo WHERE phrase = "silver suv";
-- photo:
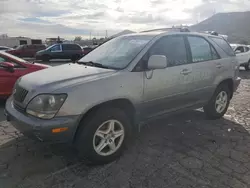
(97, 103)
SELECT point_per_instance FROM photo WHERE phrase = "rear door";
(67, 51)
(204, 63)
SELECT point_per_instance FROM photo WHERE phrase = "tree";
(78, 38)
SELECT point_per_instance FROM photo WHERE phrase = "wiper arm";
(93, 64)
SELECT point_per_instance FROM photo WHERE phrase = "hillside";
(235, 24)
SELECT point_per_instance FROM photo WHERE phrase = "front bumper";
(237, 83)
(38, 57)
(39, 129)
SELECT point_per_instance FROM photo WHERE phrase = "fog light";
(58, 130)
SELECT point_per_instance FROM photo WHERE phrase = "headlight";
(45, 106)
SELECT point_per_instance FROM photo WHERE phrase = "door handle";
(218, 65)
(185, 71)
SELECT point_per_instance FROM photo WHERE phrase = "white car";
(243, 54)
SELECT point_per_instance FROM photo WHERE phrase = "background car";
(243, 54)
(26, 50)
(11, 68)
(4, 48)
(60, 51)
(86, 49)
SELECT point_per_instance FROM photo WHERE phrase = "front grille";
(20, 94)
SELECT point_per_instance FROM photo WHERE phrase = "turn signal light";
(59, 130)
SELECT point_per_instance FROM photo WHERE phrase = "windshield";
(233, 46)
(14, 57)
(19, 47)
(119, 52)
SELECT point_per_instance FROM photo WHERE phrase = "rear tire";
(247, 67)
(218, 104)
(75, 57)
(96, 131)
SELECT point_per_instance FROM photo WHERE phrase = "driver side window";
(56, 48)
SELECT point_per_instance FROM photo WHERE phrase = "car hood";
(40, 51)
(48, 80)
(40, 65)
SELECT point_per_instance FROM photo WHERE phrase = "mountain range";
(234, 24)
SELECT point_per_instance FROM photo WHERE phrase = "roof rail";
(173, 29)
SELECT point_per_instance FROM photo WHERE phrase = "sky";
(70, 18)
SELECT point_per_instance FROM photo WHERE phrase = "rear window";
(223, 45)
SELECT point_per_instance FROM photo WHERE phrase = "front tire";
(103, 135)
(247, 66)
(74, 58)
(218, 104)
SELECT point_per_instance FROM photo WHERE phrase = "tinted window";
(223, 45)
(201, 50)
(247, 49)
(173, 47)
(71, 47)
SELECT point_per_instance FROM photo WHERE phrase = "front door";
(165, 90)
(241, 55)
(56, 52)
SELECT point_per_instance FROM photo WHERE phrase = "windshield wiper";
(93, 64)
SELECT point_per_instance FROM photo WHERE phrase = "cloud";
(67, 18)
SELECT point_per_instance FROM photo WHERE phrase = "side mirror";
(8, 66)
(157, 62)
(237, 52)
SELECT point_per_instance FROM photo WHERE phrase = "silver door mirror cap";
(157, 62)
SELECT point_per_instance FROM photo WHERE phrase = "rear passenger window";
(223, 45)
(76, 47)
(173, 47)
(201, 50)
(71, 47)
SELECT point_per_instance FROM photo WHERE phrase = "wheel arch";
(122, 103)
(230, 83)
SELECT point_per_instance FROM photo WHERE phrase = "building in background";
(16, 41)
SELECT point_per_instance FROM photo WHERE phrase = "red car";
(27, 50)
(11, 68)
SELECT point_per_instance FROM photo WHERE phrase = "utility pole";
(106, 35)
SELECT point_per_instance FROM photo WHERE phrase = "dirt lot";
(184, 150)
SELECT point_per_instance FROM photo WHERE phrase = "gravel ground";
(184, 150)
